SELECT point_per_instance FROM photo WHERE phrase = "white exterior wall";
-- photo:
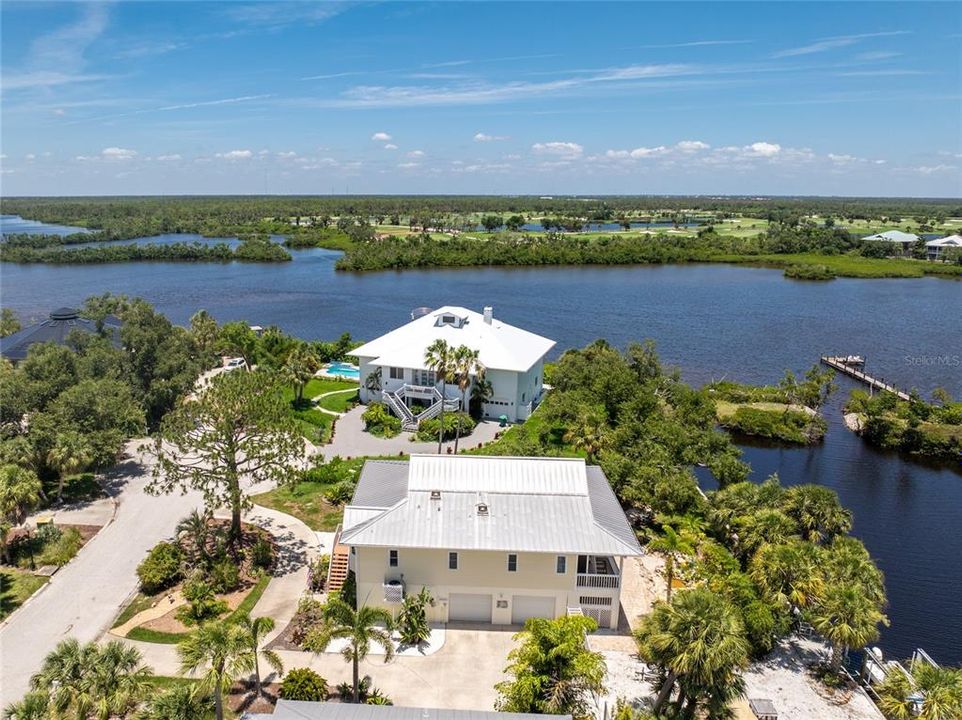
(504, 394)
(479, 571)
(529, 390)
(365, 369)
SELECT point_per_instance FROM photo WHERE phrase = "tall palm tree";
(299, 368)
(936, 691)
(847, 618)
(699, 640)
(439, 357)
(256, 629)
(847, 561)
(817, 511)
(221, 647)
(790, 574)
(70, 454)
(34, 706)
(589, 434)
(19, 492)
(359, 627)
(88, 680)
(180, 702)
(481, 392)
(671, 543)
(466, 364)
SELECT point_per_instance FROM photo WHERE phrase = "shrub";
(224, 576)
(412, 619)
(304, 684)
(428, 429)
(161, 568)
(317, 573)
(201, 603)
(340, 493)
(263, 553)
(59, 547)
(310, 614)
(810, 272)
(379, 421)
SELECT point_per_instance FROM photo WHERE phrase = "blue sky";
(810, 98)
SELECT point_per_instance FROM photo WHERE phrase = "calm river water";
(712, 321)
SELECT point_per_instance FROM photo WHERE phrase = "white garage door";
(470, 608)
(531, 606)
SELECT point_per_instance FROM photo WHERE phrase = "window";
(452, 561)
(397, 373)
(392, 558)
(512, 563)
(561, 565)
(523, 395)
(425, 377)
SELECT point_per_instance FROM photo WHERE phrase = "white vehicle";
(234, 363)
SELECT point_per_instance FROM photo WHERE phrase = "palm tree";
(936, 691)
(34, 706)
(847, 561)
(789, 574)
(672, 543)
(481, 392)
(195, 527)
(817, 512)
(299, 368)
(19, 492)
(180, 702)
(699, 640)
(847, 618)
(221, 646)
(439, 357)
(256, 629)
(70, 454)
(87, 680)
(761, 527)
(588, 434)
(466, 364)
(359, 627)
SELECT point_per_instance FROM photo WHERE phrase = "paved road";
(83, 599)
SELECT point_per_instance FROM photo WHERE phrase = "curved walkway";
(351, 440)
(328, 394)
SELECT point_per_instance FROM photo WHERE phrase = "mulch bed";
(241, 698)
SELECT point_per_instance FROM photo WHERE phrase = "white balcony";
(593, 580)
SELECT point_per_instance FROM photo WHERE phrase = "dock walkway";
(839, 364)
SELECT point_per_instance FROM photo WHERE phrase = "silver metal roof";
(524, 517)
(303, 710)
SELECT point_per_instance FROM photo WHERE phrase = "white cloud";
(29, 157)
(561, 149)
(390, 146)
(929, 169)
(764, 149)
(381, 137)
(118, 153)
(169, 158)
(484, 137)
(416, 154)
(408, 165)
(287, 155)
(832, 43)
(236, 155)
(690, 146)
(841, 159)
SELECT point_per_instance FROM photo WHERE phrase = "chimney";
(488, 314)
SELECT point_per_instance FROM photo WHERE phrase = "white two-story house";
(393, 370)
(493, 539)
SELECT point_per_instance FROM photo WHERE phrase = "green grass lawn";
(16, 586)
(312, 423)
(340, 402)
(724, 408)
(306, 502)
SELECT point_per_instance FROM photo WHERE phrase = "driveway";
(84, 597)
(351, 440)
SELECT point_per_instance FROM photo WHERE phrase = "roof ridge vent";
(482, 508)
(435, 494)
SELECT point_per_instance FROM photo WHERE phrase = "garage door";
(531, 606)
(469, 608)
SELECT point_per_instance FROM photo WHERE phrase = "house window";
(561, 565)
(452, 561)
(397, 373)
(523, 396)
(392, 558)
(512, 563)
(426, 377)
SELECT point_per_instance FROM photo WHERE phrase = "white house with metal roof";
(494, 539)
(935, 249)
(902, 240)
(393, 371)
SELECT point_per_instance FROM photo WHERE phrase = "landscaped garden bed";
(317, 498)
(200, 576)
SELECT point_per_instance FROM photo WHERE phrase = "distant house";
(306, 710)
(56, 328)
(902, 240)
(493, 539)
(935, 249)
(513, 360)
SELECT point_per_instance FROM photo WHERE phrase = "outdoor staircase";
(409, 421)
(337, 571)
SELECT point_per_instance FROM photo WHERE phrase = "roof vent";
(482, 509)
(488, 314)
(435, 494)
(64, 313)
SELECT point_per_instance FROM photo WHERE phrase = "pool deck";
(325, 372)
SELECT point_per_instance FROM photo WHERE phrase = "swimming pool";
(344, 370)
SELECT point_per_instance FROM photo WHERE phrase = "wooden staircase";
(337, 572)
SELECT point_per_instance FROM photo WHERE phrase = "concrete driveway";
(84, 597)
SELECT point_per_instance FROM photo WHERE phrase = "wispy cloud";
(694, 43)
(484, 137)
(889, 72)
(274, 15)
(381, 137)
(178, 106)
(833, 43)
(558, 148)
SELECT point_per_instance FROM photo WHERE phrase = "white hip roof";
(500, 346)
(950, 241)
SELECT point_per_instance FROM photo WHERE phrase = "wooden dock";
(838, 363)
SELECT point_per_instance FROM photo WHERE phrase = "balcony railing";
(589, 580)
